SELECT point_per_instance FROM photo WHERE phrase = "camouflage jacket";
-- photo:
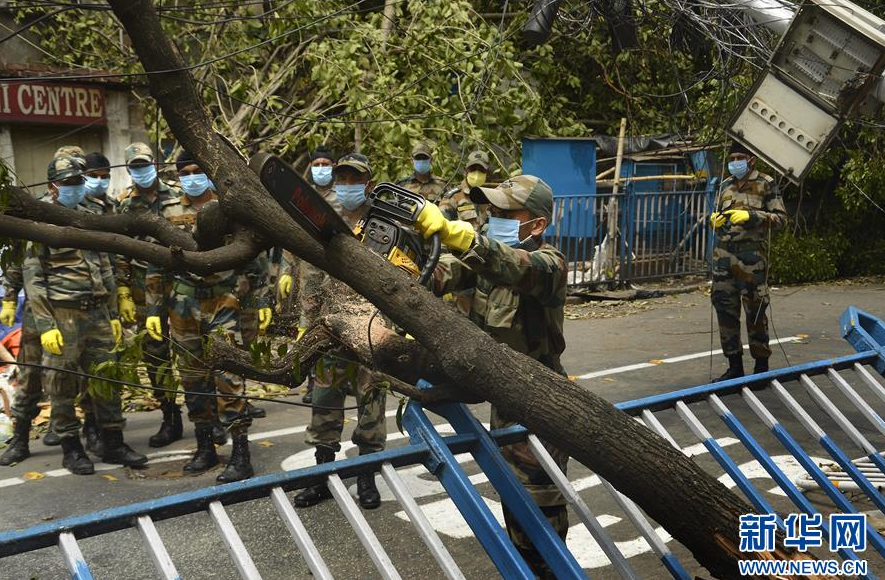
(760, 196)
(456, 205)
(60, 274)
(182, 213)
(132, 202)
(432, 190)
(519, 295)
(12, 278)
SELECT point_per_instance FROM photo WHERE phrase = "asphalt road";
(610, 346)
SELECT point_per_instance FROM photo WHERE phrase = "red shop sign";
(30, 102)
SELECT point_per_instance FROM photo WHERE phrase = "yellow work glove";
(52, 341)
(285, 285)
(738, 216)
(7, 314)
(125, 304)
(457, 235)
(265, 315)
(301, 331)
(154, 327)
(717, 220)
(117, 329)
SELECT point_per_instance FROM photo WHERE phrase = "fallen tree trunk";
(696, 509)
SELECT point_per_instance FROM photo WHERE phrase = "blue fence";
(660, 234)
(758, 431)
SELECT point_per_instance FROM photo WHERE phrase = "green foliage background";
(455, 72)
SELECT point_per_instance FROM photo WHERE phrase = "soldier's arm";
(37, 289)
(108, 279)
(155, 291)
(774, 215)
(12, 279)
(451, 275)
(257, 274)
(541, 273)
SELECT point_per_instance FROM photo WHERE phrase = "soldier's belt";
(743, 246)
(201, 292)
(84, 304)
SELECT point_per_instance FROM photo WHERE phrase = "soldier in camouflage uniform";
(520, 289)
(30, 387)
(148, 194)
(422, 180)
(310, 277)
(337, 378)
(200, 306)
(73, 300)
(456, 203)
(749, 212)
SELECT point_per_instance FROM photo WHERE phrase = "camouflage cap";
(61, 168)
(356, 161)
(422, 148)
(520, 192)
(69, 151)
(478, 157)
(138, 152)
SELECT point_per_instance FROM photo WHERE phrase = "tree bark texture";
(696, 509)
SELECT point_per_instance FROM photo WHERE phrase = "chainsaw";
(386, 226)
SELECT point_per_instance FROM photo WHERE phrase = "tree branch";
(234, 255)
(23, 205)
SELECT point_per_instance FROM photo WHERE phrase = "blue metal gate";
(661, 234)
(833, 401)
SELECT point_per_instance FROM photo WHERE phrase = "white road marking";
(671, 360)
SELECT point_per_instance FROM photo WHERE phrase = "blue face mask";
(739, 168)
(97, 186)
(506, 231)
(143, 176)
(422, 166)
(322, 176)
(71, 195)
(351, 196)
(196, 185)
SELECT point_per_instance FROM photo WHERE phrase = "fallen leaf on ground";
(656, 361)
(110, 477)
(33, 475)
(266, 443)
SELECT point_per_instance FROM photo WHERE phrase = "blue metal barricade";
(755, 418)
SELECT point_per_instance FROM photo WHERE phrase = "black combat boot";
(92, 434)
(117, 452)
(367, 492)
(760, 366)
(255, 412)
(218, 433)
(239, 466)
(205, 458)
(735, 368)
(17, 450)
(316, 493)
(170, 429)
(51, 439)
(75, 460)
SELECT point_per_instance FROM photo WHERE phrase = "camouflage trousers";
(30, 383)
(191, 320)
(155, 353)
(739, 276)
(541, 489)
(333, 383)
(88, 340)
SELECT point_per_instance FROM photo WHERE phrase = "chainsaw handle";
(432, 259)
